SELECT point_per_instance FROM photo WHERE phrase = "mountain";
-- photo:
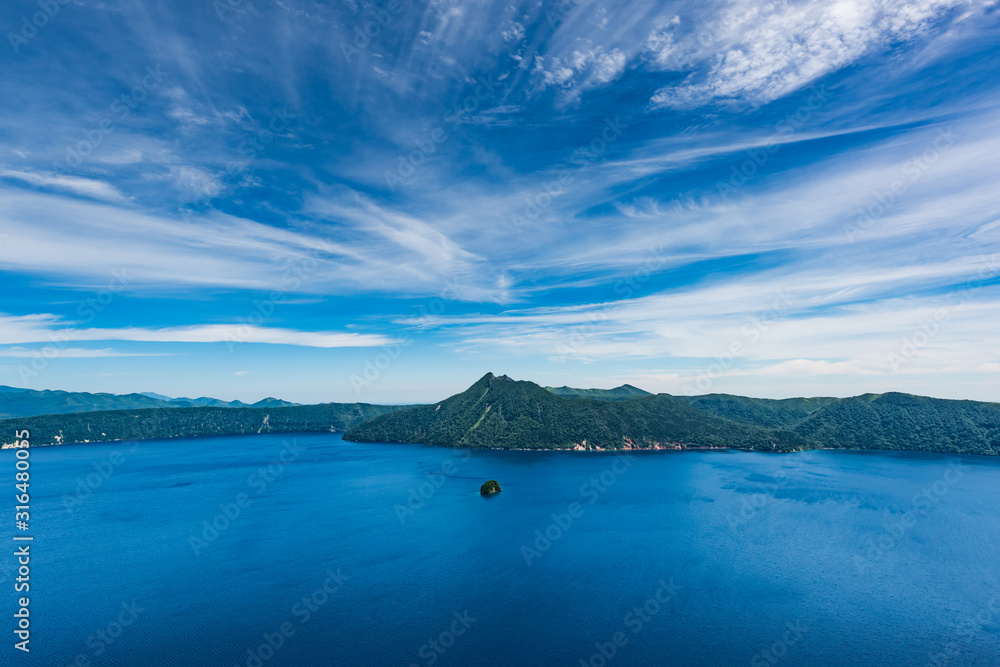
(153, 394)
(270, 402)
(775, 413)
(897, 421)
(622, 393)
(206, 401)
(891, 421)
(503, 413)
(18, 402)
(179, 422)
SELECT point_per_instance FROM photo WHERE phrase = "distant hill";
(17, 402)
(153, 394)
(622, 393)
(891, 421)
(180, 422)
(507, 414)
(775, 413)
(896, 421)
(502, 413)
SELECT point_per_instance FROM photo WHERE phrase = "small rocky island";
(490, 487)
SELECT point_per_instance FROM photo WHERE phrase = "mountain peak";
(489, 378)
(522, 415)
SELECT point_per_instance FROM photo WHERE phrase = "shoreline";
(575, 450)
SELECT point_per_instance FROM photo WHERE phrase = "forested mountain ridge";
(891, 421)
(896, 421)
(776, 413)
(502, 413)
(622, 393)
(20, 402)
(106, 425)
(507, 414)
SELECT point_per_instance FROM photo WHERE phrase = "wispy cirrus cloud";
(48, 328)
(354, 246)
(74, 353)
(82, 186)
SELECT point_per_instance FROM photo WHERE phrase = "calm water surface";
(710, 558)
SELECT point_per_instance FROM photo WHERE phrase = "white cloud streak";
(46, 328)
(73, 353)
(87, 187)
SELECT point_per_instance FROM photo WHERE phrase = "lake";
(304, 550)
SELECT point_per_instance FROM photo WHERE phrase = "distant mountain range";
(181, 422)
(17, 402)
(499, 412)
(503, 413)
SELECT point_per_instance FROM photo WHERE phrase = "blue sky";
(381, 202)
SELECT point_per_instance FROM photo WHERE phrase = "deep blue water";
(812, 554)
